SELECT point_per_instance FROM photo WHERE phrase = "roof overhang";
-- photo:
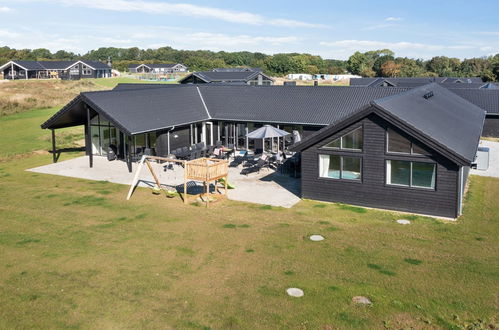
(387, 116)
(12, 62)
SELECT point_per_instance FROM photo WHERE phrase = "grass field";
(75, 254)
(23, 95)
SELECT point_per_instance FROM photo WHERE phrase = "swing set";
(205, 170)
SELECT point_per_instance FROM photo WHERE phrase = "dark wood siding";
(491, 126)
(372, 190)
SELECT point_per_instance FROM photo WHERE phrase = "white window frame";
(321, 169)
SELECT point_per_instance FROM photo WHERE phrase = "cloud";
(378, 27)
(87, 37)
(223, 40)
(4, 9)
(393, 19)
(402, 45)
(8, 34)
(185, 9)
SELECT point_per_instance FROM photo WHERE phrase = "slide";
(229, 185)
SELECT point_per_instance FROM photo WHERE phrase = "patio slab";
(266, 187)
(493, 170)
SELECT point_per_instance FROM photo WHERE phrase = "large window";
(340, 167)
(398, 144)
(86, 70)
(410, 174)
(349, 141)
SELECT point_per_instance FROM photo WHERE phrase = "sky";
(332, 29)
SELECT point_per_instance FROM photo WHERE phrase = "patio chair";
(239, 158)
(255, 168)
(209, 151)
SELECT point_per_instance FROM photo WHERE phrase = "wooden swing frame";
(205, 170)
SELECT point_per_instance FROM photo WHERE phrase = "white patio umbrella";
(267, 131)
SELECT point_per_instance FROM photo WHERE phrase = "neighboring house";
(300, 76)
(234, 76)
(484, 95)
(157, 68)
(428, 158)
(67, 70)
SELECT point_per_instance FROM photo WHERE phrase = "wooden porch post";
(54, 158)
(89, 140)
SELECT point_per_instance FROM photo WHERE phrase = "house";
(409, 152)
(165, 117)
(234, 76)
(157, 68)
(484, 95)
(66, 70)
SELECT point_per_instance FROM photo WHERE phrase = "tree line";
(376, 63)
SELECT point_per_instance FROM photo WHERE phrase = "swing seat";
(170, 193)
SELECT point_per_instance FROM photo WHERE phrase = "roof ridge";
(204, 104)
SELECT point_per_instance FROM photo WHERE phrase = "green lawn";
(76, 254)
(21, 133)
(112, 82)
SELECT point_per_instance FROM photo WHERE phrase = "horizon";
(453, 28)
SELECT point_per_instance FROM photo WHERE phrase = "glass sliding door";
(103, 136)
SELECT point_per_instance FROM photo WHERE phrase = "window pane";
(418, 150)
(398, 172)
(423, 175)
(353, 140)
(152, 140)
(329, 166)
(398, 143)
(334, 144)
(351, 168)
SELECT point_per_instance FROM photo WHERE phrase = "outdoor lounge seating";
(255, 168)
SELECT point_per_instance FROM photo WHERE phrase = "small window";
(398, 144)
(410, 174)
(340, 167)
(349, 141)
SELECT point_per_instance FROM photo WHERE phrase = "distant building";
(335, 77)
(157, 68)
(300, 76)
(233, 76)
(66, 70)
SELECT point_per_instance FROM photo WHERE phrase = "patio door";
(208, 132)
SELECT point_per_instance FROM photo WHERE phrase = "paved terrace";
(266, 187)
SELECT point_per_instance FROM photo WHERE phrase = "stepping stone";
(316, 238)
(361, 300)
(404, 222)
(295, 292)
